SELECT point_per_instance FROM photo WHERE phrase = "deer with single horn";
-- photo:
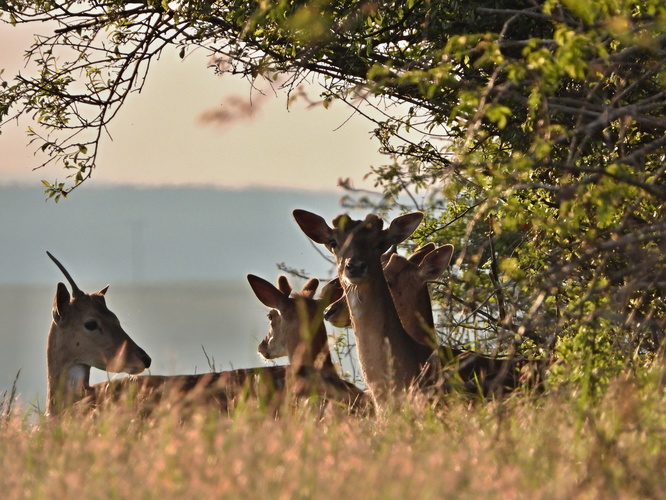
(84, 333)
(297, 331)
(390, 359)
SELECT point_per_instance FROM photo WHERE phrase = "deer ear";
(420, 253)
(436, 262)
(267, 294)
(402, 227)
(310, 288)
(60, 302)
(395, 265)
(331, 292)
(314, 226)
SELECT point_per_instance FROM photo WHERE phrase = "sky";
(163, 137)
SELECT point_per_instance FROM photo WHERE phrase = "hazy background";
(176, 260)
(194, 189)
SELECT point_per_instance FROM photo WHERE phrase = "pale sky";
(160, 139)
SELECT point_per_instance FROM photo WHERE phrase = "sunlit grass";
(549, 446)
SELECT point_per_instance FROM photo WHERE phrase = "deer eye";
(90, 325)
(332, 244)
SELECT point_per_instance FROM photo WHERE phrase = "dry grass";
(549, 447)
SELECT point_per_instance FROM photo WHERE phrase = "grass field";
(554, 446)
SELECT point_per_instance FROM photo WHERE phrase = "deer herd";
(383, 297)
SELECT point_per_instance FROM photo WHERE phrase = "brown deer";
(390, 359)
(220, 390)
(449, 367)
(84, 333)
(297, 331)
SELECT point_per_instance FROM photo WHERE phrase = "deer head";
(357, 245)
(84, 333)
(297, 327)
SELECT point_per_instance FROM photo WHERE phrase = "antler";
(76, 291)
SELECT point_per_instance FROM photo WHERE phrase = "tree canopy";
(533, 136)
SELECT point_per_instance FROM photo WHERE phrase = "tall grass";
(6, 401)
(552, 446)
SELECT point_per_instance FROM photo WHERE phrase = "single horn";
(76, 291)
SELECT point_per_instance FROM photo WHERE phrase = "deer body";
(389, 357)
(220, 390)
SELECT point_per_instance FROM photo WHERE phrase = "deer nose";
(328, 313)
(145, 359)
(263, 348)
(355, 269)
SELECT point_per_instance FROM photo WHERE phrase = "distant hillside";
(136, 235)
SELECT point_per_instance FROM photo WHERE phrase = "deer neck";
(67, 381)
(311, 348)
(320, 350)
(418, 319)
(387, 354)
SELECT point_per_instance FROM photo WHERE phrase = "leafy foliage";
(531, 132)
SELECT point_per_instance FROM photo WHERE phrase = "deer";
(295, 326)
(407, 279)
(297, 330)
(391, 361)
(390, 357)
(448, 367)
(84, 333)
